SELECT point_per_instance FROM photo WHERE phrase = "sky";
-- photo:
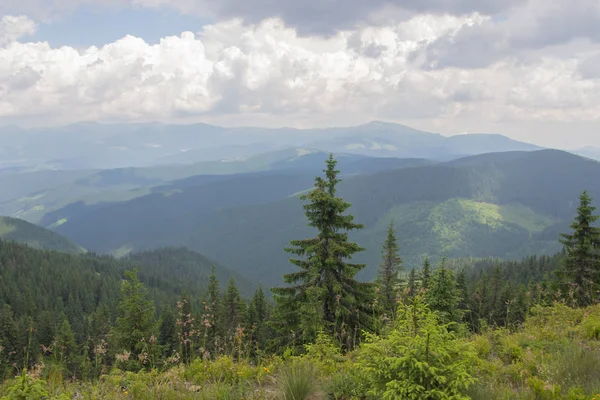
(529, 69)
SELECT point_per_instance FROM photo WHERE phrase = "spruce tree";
(212, 313)
(581, 268)
(135, 320)
(443, 295)
(233, 312)
(324, 294)
(258, 313)
(426, 275)
(463, 291)
(388, 280)
(412, 284)
(167, 334)
(67, 350)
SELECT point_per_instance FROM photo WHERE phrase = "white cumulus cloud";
(266, 73)
(15, 27)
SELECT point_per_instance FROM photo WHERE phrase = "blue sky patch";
(93, 26)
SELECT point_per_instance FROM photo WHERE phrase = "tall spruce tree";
(581, 268)
(324, 295)
(388, 279)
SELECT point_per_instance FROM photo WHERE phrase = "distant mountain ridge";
(493, 205)
(98, 146)
(34, 196)
(589, 152)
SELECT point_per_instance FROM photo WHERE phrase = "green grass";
(298, 381)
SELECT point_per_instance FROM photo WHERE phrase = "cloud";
(308, 17)
(589, 68)
(50, 10)
(267, 74)
(311, 17)
(15, 27)
(534, 25)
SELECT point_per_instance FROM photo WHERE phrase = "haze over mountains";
(97, 146)
(231, 194)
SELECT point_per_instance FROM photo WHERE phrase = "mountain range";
(232, 195)
(493, 205)
(98, 146)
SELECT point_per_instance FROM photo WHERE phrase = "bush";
(420, 359)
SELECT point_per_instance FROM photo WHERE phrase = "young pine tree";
(67, 351)
(412, 284)
(443, 295)
(324, 295)
(581, 268)
(388, 280)
(419, 359)
(426, 275)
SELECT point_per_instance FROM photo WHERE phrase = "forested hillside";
(36, 282)
(13, 229)
(160, 325)
(505, 205)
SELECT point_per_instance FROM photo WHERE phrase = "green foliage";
(297, 380)
(66, 349)
(324, 292)
(24, 387)
(13, 229)
(551, 357)
(426, 275)
(324, 353)
(135, 321)
(388, 279)
(412, 285)
(419, 358)
(581, 272)
(443, 295)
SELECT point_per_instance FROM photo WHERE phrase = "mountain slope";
(504, 205)
(182, 269)
(13, 229)
(33, 281)
(287, 175)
